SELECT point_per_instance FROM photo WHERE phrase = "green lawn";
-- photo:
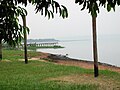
(37, 75)
(17, 54)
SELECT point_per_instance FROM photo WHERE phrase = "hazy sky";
(77, 24)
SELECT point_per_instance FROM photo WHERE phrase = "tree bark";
(0, 50)
(25, 40)
(95, 55)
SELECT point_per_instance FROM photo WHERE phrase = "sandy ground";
(79, 63)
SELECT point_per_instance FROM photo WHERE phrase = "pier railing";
(43, 44)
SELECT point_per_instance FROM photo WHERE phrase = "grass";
(37, 75)
(17, 54)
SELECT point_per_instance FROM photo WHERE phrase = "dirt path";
(87, 65)
(79, 63)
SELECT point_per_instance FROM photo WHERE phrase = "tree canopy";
(10, 29)
(46, 7)
(93, 5)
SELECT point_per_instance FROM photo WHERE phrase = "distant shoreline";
(76, 62)
(67, 58)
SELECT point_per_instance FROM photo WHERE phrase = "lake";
(108, 49)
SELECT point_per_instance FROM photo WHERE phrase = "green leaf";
(84, 5)
(64, 12)
(114, 8)
(76, 1)
(46, 11)
(108, 7)
(28, 30)
(60, 11)
(94, 10)
(48, 15)
(53, 8)
(52, 14)
(118, 2)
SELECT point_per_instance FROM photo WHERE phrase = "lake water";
(108, 49)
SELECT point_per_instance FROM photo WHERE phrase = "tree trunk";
(25, 40)
(96, 73)
(0, 50)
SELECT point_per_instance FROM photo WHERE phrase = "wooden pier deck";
(43, 44)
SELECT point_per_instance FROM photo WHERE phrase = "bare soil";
(80, 63)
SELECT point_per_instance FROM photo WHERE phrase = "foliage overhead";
(93, 5)
(46, 7)
(10, 29)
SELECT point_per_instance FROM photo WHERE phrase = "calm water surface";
(108, 50)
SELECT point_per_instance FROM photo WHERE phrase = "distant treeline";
(42, 40)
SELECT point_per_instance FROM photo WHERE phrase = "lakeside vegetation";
(38, 75)
(36, 47)
(32, 47)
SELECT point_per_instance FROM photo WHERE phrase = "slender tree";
(95, 55)
(25, 40)
(10, 29)
(93, 7)
(0, 50)
(43, 7)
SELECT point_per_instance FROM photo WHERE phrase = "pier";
(43, 44)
